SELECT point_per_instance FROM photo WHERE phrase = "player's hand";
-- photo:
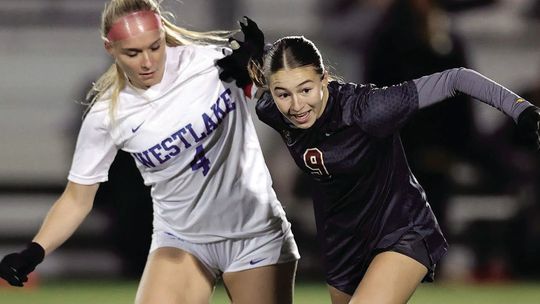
(528, 125)
(15, 267)
(235, 65)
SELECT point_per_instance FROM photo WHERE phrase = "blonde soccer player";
(192, 138)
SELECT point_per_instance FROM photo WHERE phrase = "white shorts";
(235, 254)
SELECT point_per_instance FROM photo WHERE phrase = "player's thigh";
(173, 276)
(271, 284)
(337, 296)
(391, 278)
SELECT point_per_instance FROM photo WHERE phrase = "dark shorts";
(410, 244)
(415, 247)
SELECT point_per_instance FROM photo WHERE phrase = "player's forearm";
(64, 217)
(440, 86)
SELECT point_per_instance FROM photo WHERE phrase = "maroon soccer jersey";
(364, 194)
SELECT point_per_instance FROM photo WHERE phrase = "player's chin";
(149, 82)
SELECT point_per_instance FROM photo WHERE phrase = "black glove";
(15, 267)
(235, 65)
(527, 126)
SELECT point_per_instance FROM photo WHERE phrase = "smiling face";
(300, 94)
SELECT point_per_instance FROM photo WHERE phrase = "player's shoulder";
(96, 115)
(197, 51)
(265, 105)
(267, 111)
(344, 92)
(192, 59)
(100, 106)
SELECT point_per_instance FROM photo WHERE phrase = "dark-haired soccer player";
(378, 234)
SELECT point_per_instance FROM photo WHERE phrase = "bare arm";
(65, 216)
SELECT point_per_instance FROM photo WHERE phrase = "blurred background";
(482, 183)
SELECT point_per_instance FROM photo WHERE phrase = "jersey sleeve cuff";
(85, 180)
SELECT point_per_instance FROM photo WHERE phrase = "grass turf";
(312, 293)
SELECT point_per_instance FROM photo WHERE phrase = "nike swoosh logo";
(174, 236)
(137, 128)
(256, 261)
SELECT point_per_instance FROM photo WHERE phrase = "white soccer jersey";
(194, 143)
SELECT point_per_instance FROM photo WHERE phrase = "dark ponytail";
(286, 53)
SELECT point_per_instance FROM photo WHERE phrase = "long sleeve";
(440, 86)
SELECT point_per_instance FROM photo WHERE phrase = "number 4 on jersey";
(200, 161)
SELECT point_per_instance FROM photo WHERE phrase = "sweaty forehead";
(291, 78)
(133, 24)
(140, 41)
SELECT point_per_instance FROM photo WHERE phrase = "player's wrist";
(34, 253)
(528, 127)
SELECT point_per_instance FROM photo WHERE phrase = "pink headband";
(133, 24)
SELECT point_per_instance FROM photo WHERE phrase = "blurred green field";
(306, 293)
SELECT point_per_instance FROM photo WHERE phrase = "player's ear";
(324, 78)
(108, 47)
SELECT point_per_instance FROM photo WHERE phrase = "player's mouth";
(147, 75)
(301, 118)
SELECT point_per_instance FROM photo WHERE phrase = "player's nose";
(146, 61)
(296, 103)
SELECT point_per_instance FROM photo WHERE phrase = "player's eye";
(155, 47)
(306, 90)
(283, 95)
(131, 54)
